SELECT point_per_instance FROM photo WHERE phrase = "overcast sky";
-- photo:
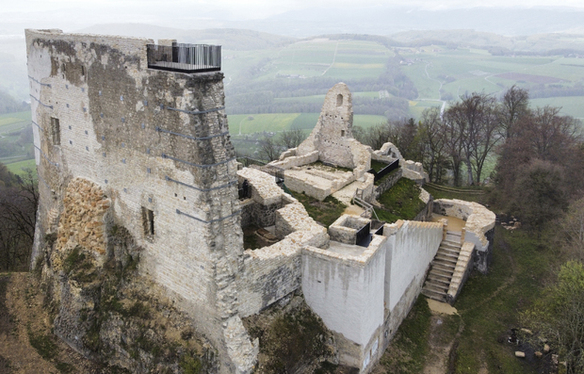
(261, 8)
(75, 15)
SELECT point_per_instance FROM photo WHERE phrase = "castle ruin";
(134, 134)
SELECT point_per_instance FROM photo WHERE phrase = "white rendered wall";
(412, 248)
(348, 296)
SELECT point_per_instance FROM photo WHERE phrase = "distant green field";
(417, 107)
(571, 105)
(319, 99)
(464, 71)
(277, 122)
(20, 167)
(14, 121)
(342, 59)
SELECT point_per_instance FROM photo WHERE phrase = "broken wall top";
(333, 134)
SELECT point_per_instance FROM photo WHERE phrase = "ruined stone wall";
(270, 273)
(388, 182)
(100, 114)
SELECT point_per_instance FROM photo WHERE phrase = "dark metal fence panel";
(184, 57)
(363, 234)
(386, 170)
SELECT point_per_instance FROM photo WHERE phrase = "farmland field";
(437, 73)
(20, 167)
(246, 124)
(12, 122)
(571, 105)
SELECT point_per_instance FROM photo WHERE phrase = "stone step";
(447, 260)
(437, 278)
(450, 244)
(438, 296)
(449, 268)
(450, 263)
(441, 272)
(438, 288)
(448, 253)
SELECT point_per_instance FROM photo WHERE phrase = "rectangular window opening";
(55, 131)
(148, 221)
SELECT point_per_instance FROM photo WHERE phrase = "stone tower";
(135, 134)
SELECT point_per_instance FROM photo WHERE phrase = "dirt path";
(437, 359)
(440, 349)
(22, 320)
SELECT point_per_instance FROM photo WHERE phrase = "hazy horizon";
(298, 17)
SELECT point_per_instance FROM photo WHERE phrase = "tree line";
(459, 141)
(18, 205)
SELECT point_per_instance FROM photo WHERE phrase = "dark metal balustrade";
(185, 58)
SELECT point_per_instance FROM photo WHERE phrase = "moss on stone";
(291, 337)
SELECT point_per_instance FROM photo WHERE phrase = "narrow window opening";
(342, 133)
(148, 221)
(55, 131)
(339, 100)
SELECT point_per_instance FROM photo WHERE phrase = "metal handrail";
(184, 57)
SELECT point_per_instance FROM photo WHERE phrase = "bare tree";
(539, 194)
(404, 135)
(374, 136)
(513, 105)
(269, 149)
(17, 223)
(291, 138)
(473, 125)
(432, 139)
(455, 132)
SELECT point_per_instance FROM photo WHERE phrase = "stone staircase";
(442, 267)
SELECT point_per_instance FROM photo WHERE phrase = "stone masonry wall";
(82, 222)
(272, 272)
(135, 133)
(388, 182)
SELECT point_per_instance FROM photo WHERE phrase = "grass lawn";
(471, 195)
(325, 212)
(407, 352)
(377, 165)
(402, 201)
(488, 308)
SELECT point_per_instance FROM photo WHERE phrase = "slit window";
(148, 221)
(55, 131)
(339, 100)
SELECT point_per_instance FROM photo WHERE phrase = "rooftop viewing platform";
(184, 58)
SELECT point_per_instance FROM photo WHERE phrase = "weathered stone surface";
(123, 149)
(104, 117)
(480, 223)
(83, 219)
